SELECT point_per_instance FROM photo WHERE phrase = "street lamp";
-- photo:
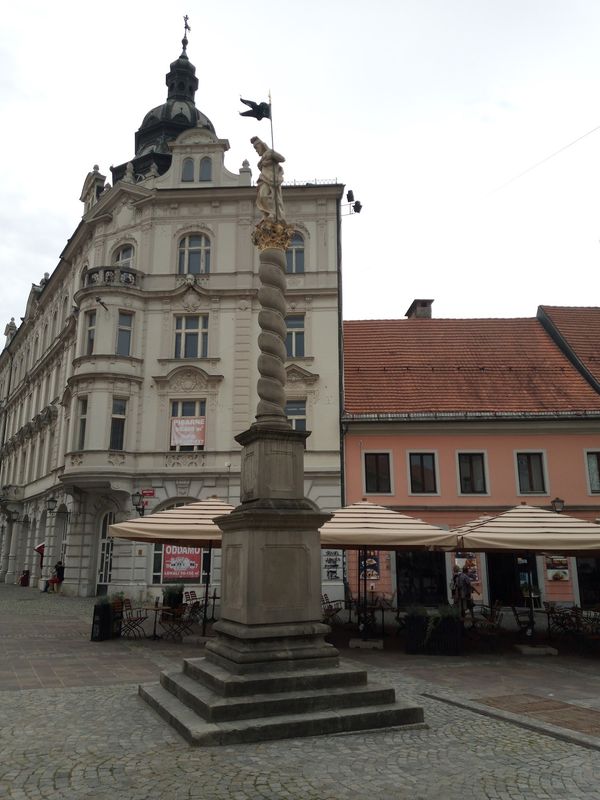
(137, 501)
(557, 505)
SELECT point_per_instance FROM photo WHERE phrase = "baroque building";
(135, 364)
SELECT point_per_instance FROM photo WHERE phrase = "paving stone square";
(73, 726)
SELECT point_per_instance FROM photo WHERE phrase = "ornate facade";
(136, 361)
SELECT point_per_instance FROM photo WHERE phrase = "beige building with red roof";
(449, 419)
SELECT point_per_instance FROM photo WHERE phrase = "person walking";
(465, 593)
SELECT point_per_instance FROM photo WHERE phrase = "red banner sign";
(187, 431)
(181, 564)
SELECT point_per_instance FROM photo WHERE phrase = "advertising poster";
(332, 565)
(371, 565)
(186, 431)
(471, 561)
(181, 564)
(557, 568)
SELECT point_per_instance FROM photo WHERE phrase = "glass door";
(105, 555)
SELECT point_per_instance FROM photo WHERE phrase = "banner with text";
(181, 564)
(186, 431)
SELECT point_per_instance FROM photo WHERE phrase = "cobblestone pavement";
(75, 728)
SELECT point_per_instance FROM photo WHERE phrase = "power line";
(543, 161)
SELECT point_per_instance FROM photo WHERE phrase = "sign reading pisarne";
(186, 431)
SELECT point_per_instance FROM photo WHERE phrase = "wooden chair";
(133, 620)
(330, 609)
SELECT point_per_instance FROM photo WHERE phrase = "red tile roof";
(446, 366)
(580, 329)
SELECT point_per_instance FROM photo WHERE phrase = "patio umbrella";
(191, 525)
(531, 529)
(367, 526)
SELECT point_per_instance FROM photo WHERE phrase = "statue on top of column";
(270, 197)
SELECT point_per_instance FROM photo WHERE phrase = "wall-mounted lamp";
(13, 516)
(137, 501)
(557, 505)
(51, 503)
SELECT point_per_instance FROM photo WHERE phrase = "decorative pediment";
(297, 375)
(187, 379)
(122, 193)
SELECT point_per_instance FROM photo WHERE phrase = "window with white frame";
(294, 255)
(377, 473)
(294, 342)
(593, 465)
(206, 169)
(191, 336)
(194, 254)
(422, 473)
(117, 424)
(124, 332)
(187, 169)
(90, 332)
(123, 257)
(188, 423)
(296, 413)
(471, 471)
(82, 410)
(530, 471)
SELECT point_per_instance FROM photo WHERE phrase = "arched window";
(294, 256)
(187, 170)
(123, 257)
(206, 169)
(194, 254)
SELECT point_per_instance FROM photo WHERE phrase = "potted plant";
(417, 621)
(444, 632)
(173, 595)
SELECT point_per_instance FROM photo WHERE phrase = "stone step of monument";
(213, 707)
(197, 731)
(230, 684)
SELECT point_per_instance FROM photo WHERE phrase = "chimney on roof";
(419, 309)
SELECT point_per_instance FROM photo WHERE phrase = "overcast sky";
(425, 108)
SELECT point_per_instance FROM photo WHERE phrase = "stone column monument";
(269, 673)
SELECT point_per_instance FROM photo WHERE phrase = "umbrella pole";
(206, 588)
(364, 598)
(530, 588)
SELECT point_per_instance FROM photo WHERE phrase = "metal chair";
(330, 609)
(133, 620)
(178, 623)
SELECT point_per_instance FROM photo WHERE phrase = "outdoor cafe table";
(156, 608)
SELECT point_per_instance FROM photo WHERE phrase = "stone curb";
(573, 737)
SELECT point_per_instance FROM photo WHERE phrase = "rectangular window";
(82, 419)
(593, 462)
(188, 418)
(124, 331)
(422, 473)
(117, 424)
(530, 468)
(294, 342)
(191, 336)
(296, 413)
(90, 332)
(377, 473)
(471, 468)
